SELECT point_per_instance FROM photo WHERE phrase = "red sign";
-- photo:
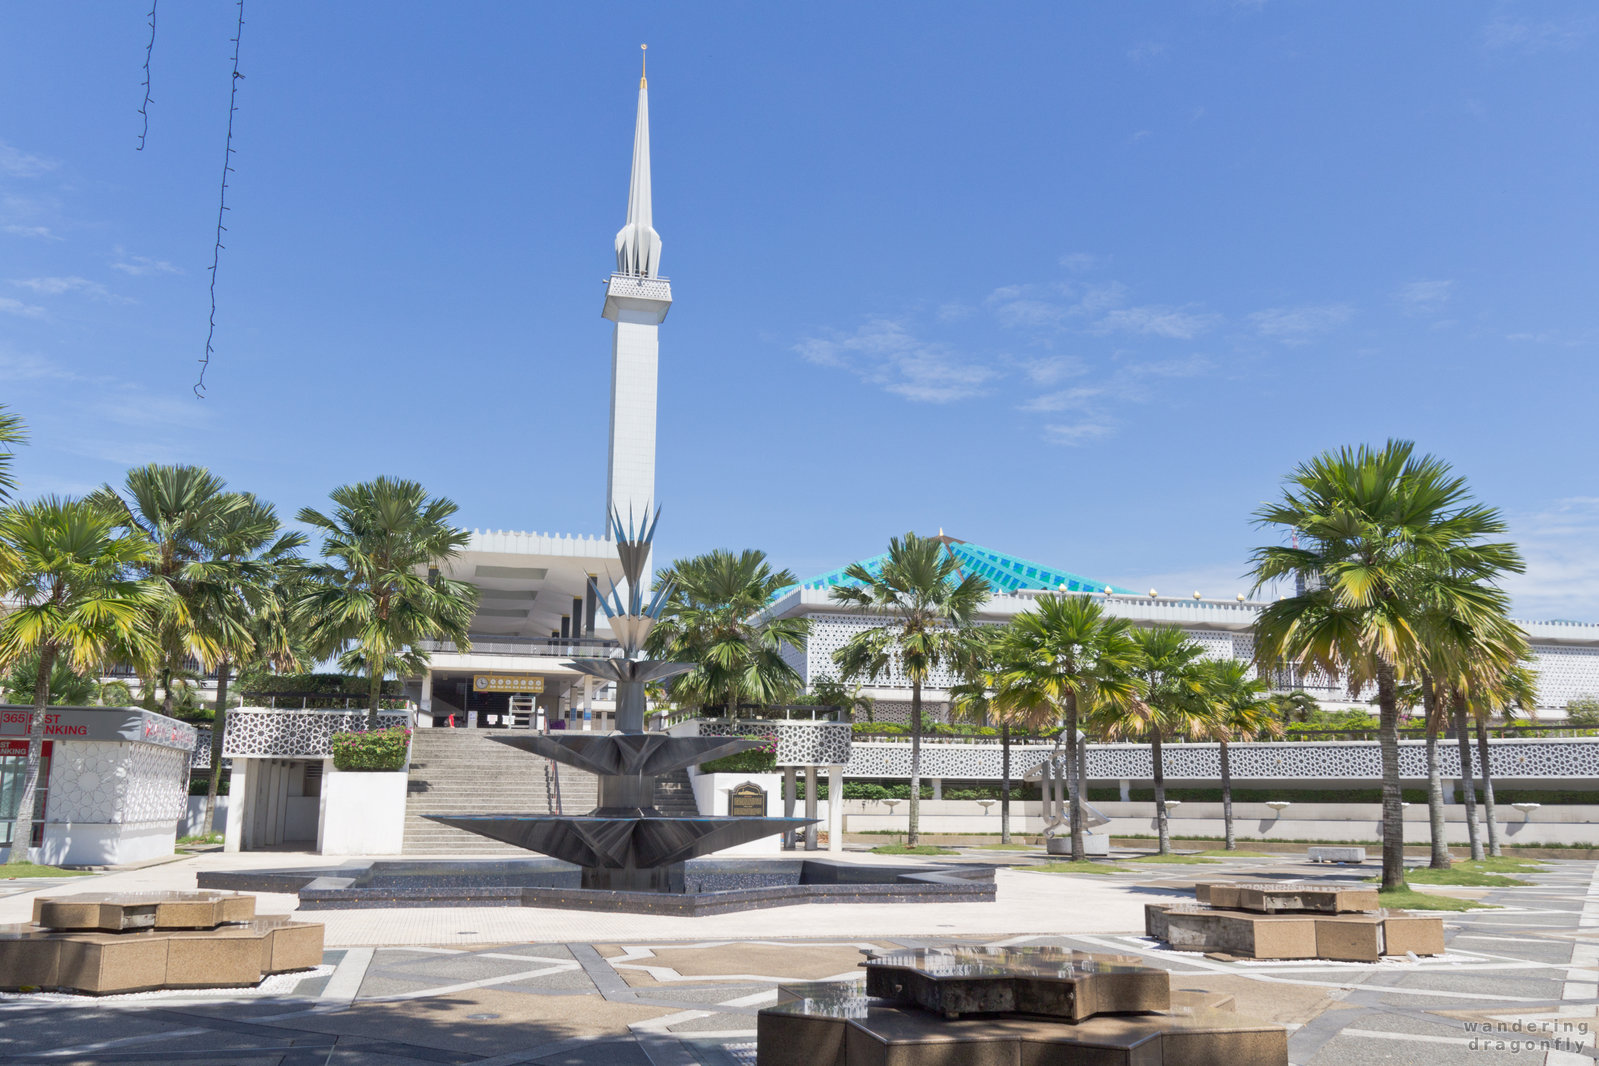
(20, 748)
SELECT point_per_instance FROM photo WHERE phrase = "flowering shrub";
(372, 750)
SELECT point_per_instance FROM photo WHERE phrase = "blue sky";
(1079, 282)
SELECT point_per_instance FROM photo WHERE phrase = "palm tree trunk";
(1078, 854)
(22, 827)
(1004, 783)
(1487, 790)
(1457, 713)
(1393, 824)
(916, 763)
(166, 690)
(375, 692)
(1230, 843)
(1435, 784)
(219, 723)
(1161, 826)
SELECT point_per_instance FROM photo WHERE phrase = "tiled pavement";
(1517, 987)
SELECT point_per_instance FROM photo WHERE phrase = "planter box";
(361, 813)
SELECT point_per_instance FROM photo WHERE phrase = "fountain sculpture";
(625, 844)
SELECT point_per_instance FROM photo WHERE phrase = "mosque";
(537, 611)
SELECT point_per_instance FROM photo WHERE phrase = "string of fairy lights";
(144, 108)
(222, 204)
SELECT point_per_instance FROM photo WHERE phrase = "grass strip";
(1409, 899)
(1172, 860)
(1087, 866)
(919, 849)
(28, 869)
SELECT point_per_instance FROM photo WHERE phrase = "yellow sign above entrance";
(506, 683)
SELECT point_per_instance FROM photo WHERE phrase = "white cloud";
(1424, 297)
(61, 286)
(1297, 325)
(1188, 367)
(139, 265)
(1065, 400)
(1506, 34)
(20, 164)
(1053, 370)
(1072, 433)
(17, 307)
(884, 352)
(1052, 305)
(1173, 322)
(1561, 547)
(1144, 51)
(1077, 262)
(41, 232)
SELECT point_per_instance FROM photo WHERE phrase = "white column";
(239, 793)
(425, 703)
(635, 349)
(588, 702)
(810, 807)
(835, 808)
(790, 797)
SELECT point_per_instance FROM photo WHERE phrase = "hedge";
(761, 760)
(372, 750)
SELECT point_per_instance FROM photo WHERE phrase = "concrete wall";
(194, 816)
(361, 813)
(1550, 824)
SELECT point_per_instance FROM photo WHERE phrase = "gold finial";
(643, 64)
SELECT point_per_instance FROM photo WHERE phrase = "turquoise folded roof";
(1003, 572)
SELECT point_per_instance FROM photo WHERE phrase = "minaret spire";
(638, 246)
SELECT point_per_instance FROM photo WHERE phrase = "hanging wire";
(144, 108)
(222, 204)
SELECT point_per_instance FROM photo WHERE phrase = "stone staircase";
(674, 795)
(463, 771)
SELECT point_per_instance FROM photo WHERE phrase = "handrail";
(553, 647)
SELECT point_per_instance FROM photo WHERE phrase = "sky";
(1078, 282)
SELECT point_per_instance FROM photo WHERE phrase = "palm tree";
(1295, 706)
(847, 698)
(373, 600)
(1059, 662)
(1503, 690)
(180, 510)
(72, 599)
(13, 431)
(928, 607)
(973, 701)
(1171, 673)
(1240, 708)
(1374, 526)
(712, 618)
(1435, 709)
(237, 604)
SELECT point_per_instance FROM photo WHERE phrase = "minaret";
(636, 299)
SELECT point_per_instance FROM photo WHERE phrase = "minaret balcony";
(650, 297)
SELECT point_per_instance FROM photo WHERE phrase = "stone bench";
(1273, 897)
(1329, 853)
(1246, 934)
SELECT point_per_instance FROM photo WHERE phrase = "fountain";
(625, 844)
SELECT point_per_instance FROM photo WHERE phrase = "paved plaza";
(493, 986)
